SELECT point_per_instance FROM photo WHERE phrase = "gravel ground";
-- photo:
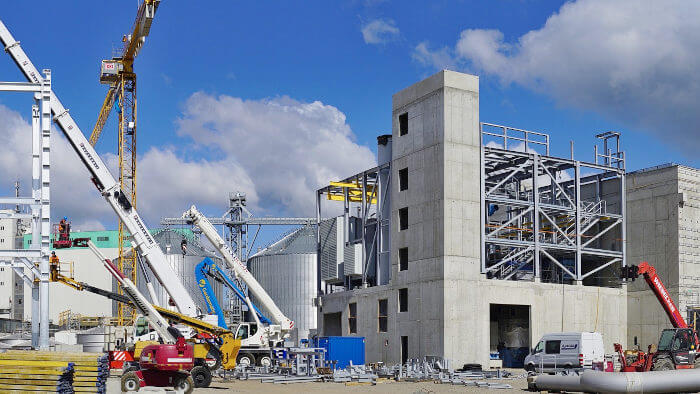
(253, 386)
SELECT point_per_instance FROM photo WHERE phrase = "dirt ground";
(254, 386)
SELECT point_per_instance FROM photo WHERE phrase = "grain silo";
(170, 241)
(287, 271)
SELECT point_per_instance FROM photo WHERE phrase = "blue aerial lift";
(208, 268)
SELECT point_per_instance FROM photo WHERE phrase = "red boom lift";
(678, 346)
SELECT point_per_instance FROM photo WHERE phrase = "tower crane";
(119, 74)
(106, 185)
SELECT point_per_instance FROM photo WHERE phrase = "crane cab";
(109, 71)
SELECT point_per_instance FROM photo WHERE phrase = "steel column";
(536, 219)
(45, 209)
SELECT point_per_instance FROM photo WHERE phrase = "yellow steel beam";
(337, 197)
(104, 115)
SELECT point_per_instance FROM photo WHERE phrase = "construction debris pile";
(59, 371)
(427, 369)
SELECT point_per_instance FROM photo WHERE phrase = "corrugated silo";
(287, 271)
(170, 242)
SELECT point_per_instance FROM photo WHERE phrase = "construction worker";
(53, 259)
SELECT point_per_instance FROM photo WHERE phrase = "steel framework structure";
(546, 218)
(369, 189)
(36, 258)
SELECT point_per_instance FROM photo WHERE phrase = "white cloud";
(287, 148)
(380, 31)
(439, 58)
(633, 62)
(278, 151)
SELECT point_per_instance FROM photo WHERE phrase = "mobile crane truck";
(678, 346)
(260, 337)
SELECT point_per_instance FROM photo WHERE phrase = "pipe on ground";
(685, 380)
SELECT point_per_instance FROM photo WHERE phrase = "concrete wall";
(87, 269)
(448, 298)
(663, 216)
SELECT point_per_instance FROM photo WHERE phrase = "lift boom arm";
(207, 267)
(661, 293)
(239, 269)
(106, 184)
(137, 299)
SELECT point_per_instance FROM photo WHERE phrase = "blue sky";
(255, 57)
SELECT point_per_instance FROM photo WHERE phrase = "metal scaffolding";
(369, 192)
(546, 218)
(37, 208)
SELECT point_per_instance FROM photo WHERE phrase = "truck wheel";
(183, 384)
(201, 376)
(213, 360)
(130, 382)
(264, 361)
(663, 364)
(130, 368)
(246, 360)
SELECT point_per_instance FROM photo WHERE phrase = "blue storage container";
(343, 350)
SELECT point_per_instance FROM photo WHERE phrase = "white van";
(566, 351)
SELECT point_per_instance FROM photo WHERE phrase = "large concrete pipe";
(684, 380)
(557, 383)
(687, 380)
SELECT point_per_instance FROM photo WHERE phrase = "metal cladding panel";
(290, 280)
(353, 259)
(331, 248)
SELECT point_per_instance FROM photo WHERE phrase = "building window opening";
(382, 315)
(404, 349)
(403, 179)
(102, 239)
(403, 300)
(403, 259)
(352, 318)
(403, 123)
(403, 219)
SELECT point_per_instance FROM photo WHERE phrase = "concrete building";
(82, 264)
(464, 279)
(11, 285)
(663, 213)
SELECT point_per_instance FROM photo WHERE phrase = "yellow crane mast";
(119, 74)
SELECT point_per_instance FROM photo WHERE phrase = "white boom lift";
(106, 184)
(273, 333)
(140, 302)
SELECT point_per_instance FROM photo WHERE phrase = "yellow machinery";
(119, 74)
(228, 349)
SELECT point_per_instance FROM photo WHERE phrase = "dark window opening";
(403, 179)
(403, 218)
(102, 239)
(352, 318)
(403, 300)
(382, 315)
(403, 259)
(404, 349)
(403, 123)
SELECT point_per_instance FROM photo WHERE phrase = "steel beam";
(613, 261)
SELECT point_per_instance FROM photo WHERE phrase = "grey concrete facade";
(663, 213)
(449, 299)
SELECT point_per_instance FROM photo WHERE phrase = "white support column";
(36, 211)
(45, 209)
(536, 221)
(577, 185)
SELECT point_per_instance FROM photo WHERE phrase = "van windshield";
(666, 340)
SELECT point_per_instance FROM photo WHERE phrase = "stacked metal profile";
(23, 375)
(88, 371)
